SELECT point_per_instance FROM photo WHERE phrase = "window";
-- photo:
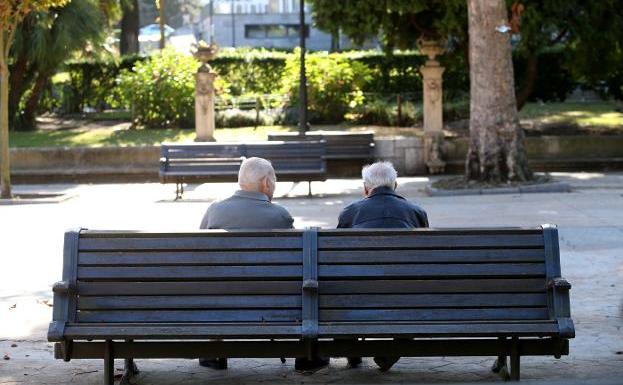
(273, 31)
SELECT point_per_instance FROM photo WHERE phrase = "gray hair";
(253, 170)
(379, 174)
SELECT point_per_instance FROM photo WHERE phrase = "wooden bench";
(219, 162)
(340, 146)
(294, 293)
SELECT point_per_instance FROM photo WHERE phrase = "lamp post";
(303, 77)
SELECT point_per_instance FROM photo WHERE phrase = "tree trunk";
(17, 83)
(129, 28)
(162, 22)
(5, 168)
(496, 152)
(532, 70)
(32, 104)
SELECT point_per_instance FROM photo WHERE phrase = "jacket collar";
(251, 195)
(384, 190)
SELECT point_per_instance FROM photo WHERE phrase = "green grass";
(602, 114)
(583, 114)
(102, 137)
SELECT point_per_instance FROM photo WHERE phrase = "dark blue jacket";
(383, 209)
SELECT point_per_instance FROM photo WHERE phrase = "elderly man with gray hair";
(250, 207)
(381, 208)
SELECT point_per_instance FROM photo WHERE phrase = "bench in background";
(294, 293)
(220, 162)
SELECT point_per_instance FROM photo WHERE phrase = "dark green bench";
(340, 146)
(293, 293)
(219, 162)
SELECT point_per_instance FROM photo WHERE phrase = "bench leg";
(499, 363)
(109, 363)
(515, 360)
(309, 191)
(130, 370)
(179, 190)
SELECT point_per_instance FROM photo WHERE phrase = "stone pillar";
(204, 94)
(432, 82)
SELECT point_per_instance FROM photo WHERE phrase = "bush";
(334, 85)
(383, 113)
(161, 90)
(234, 118)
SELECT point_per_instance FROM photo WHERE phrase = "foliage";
(334, 85)
(173, 9)
(42, 44)
(161, 90)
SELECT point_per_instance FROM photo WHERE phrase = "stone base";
(209, 139)
(436, 167)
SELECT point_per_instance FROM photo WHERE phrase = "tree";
(12, 13)
(43, 42)
(130, 24)
(161, 6)
(587, 32)
(496, 150)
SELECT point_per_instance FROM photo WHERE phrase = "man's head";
(257, 174)
(377, 175)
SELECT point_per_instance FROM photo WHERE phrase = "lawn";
(603, 116)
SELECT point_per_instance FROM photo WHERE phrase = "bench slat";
(432, 300)
(429, 241)
(189, 302)
(433, 314)
(191, 258)
(191, 243)
(431, 256)
(177, 331)
(432, 270)
(511, 285)
(242, 315)
(460, 329)
(190, 272)
(189, 288)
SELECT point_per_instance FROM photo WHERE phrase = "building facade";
(262, 23)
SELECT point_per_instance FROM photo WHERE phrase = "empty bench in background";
(295, 161)
(295, 293)
(340, 146)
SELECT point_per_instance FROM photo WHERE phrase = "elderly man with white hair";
(381, 208)
(250, 207)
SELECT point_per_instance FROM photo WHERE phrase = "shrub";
(161, 90)
(334, 85)
(234, 118)
(383, 113)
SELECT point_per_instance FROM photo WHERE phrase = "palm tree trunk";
(497, 152)
(32, 104)
(5, 169)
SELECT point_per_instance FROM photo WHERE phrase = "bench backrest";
(285, 156)
(339, 146)
(321, 283)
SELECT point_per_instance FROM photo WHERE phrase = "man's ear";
(395, 185)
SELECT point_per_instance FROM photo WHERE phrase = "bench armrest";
(559, 284)
(163, 161)
(63, 287)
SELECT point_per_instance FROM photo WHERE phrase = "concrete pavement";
(591, 236)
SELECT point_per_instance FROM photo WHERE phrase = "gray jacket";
(246, 210)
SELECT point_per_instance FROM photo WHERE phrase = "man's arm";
(205, 221)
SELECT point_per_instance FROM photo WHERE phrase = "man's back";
(246, 210)
(383, 209)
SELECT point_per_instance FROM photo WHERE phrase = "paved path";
(591, 236)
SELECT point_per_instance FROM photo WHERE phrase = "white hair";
(379, 174)
(253, 170)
